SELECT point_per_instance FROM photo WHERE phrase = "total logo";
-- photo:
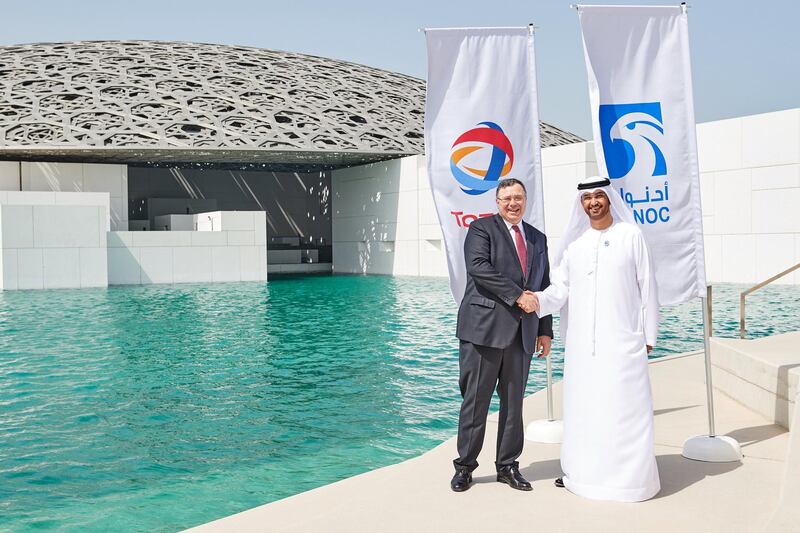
(480, 157)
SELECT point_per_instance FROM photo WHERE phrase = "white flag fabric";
(481, 126)
(640, 88)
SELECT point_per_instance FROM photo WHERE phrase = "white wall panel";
(30, 268)
(16, 223)
(567, 154)
(260, 235)
(211, 221)
(261, 253)
(10, 270)
(719, 145)
(9, 175)
(709, 226)
(431, 253)
(771, 138)
(430, 232)
(427, 208)
(407, 226)
(109, 180)
(776, 177)
(713, 256)
(117, 214)
(732, 206)
(116, 239)
(104, 178)
(209, 238)
(161, 238)
(123, 266)
(376, 217)
(85, 198)
(776, 211)
(241, 238)
(183, 257)
(225, 263)
(93, 267)
(249, 264)
(191, 264)
(47, 240)
(375, 259)
(61, 267)
(423, 183)
(66, 226)
(67, 177)
(559, 194)
(774, 254)
(30, 198)
(345, 257)
(708, 193)
(406, 258)
(738, 258)
(156, 264)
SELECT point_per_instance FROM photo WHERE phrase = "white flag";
(481, 126)
(640, 87)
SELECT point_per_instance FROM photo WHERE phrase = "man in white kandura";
(605, 287)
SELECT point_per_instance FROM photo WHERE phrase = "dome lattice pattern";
(153, 101)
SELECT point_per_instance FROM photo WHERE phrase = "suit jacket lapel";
(529, 247)
(504, 230)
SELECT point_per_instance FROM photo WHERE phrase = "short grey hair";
(509, 182)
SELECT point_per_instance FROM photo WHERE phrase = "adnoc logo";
(480, 157)
(632, 135)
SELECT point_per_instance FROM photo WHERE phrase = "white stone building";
(127, 162)
(384, 221)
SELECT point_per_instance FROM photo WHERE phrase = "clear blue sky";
(745, 55)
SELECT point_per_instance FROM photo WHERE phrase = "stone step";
(787, 513)
(762, 374)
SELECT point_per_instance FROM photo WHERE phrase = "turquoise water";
(162, 407)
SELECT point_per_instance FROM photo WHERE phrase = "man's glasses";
(507, 200)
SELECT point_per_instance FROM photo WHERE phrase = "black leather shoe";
(559, 482)
(462, 480)
(510, 476)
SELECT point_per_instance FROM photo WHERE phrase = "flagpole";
(710, 448)
(706, 302)
(547, 430)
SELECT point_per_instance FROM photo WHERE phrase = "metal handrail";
(755, 288)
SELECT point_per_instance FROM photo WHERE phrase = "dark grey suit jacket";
(489, 315)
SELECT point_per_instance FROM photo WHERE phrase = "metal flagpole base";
(548, 431)
(717, 449)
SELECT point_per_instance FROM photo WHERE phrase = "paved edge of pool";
(414, 494)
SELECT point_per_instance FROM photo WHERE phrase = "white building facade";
(384, 221)
(66, 224)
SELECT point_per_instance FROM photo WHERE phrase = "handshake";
(528, 302)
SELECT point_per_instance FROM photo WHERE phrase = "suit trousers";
(481, 369)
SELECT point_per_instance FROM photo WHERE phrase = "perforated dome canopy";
(153, 102)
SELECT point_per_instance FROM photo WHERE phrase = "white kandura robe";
(606, 280)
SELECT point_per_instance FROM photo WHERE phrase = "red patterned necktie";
(522, 253)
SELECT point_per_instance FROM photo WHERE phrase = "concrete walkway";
(695, 496)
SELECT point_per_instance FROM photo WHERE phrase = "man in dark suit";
(506, 260)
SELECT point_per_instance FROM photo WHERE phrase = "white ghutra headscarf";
(579, 221)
